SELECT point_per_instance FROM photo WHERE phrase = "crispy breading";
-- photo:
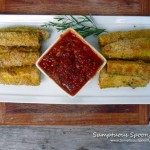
(131, 49)
(16, 58)
(19, 39)
(43, 33)
(105, 39)
(107, 80)
(133, 68)
(28, 75)
(19, 50)
(5, 49)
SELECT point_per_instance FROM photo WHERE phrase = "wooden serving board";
(78, 7)
(36, 114)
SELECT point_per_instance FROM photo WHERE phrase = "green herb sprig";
(84, 25)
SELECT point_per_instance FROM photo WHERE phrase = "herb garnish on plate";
(84, 25)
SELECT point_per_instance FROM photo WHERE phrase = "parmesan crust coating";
(16, 58)
(19, 39)
(108, 38)
(133, 68)
(28, 75)
(5, 49)
(107, 80)
(20, 48)
(43, 33)
(131, 49)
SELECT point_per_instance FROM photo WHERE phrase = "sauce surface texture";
(70, 63)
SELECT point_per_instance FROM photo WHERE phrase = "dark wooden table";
(94, 7)
(35, 114)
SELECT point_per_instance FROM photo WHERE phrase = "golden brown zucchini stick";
(28, 75)
(110, 80)
(5, 49)
(133, 68)
(43, 33)
(19, 39)
(131, 49)
(16, 58)
(120, 35)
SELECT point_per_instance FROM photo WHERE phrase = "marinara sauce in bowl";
(71, 62)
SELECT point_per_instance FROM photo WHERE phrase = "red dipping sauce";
(71, 62)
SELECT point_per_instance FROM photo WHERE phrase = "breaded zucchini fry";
(131, 49)
(110, 80)
(133, 68)
(43, 33)
(5, 49)
(16, 58)
(120, 35)
(19, 39)
(28, 75)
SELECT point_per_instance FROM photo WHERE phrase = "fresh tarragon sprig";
(84, 25)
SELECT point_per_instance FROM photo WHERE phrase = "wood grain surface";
(71, 138)
(38, 114)
(35, 114)
(94, 7)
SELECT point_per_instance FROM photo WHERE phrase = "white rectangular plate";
(48, 92)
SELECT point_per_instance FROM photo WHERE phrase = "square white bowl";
(86, 43)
